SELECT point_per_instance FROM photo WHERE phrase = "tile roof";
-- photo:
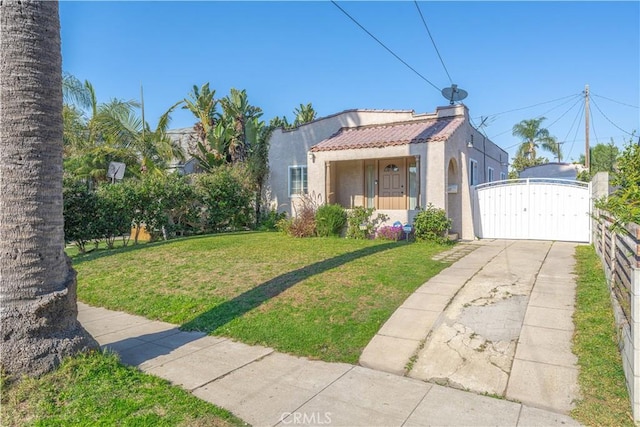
(390, 134)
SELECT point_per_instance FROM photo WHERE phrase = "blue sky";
(506, 55)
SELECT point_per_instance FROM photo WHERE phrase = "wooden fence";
(619, 250)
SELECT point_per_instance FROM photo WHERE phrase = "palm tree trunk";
(38, 307)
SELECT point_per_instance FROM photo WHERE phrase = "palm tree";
(238, 112)
(37, 282)
(533, 136)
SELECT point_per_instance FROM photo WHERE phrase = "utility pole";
(587, 160)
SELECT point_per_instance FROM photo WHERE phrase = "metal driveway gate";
(533, 208)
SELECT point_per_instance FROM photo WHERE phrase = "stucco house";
(395, 161)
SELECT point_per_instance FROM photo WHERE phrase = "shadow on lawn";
(236, 307)
(93, 254)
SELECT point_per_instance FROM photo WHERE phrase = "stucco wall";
(349, 186)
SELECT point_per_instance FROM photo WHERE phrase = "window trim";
(503, 176)
(490, 174)
(473, 176)
(304, 177)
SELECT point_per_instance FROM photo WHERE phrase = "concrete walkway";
(498, 322)
(266, 388)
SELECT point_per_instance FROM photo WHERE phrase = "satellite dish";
(116, 170)
(454, 94)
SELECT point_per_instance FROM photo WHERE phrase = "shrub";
(389, 232)
(269, 221)
(80, 204)
(304, 223)
(330, 220)
(361, 225)
(115, 212)
(432, 224)
(227, 198)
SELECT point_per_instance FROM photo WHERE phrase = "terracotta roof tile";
(391, 134)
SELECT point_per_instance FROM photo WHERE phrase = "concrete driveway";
(497, 322)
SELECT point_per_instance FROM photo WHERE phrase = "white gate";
(533, 208)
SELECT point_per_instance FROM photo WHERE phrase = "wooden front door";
(391, 187)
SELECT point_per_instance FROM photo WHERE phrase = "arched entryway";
(454, 196)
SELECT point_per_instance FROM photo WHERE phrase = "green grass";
(322, 298)
(605, 401)
(96, 390)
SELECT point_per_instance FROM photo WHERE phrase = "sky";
(516, 60)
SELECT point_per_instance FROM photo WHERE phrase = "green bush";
(227, 198)
(361, 224)
(80, 205)
(330, 220)
(432, 224)
(269, 221)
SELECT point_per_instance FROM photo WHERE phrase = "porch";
(389, 185)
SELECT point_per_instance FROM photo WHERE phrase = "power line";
(580, 112)
(433, 41)
(578, 96)
(384, 46)
(565, 113)
(613, 100)
(605, 116)
(531, 106)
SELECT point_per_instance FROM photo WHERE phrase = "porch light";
(470, 143)
(311, 156)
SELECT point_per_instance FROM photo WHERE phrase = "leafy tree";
(602, 158)
(37, 282)
(624, 203)
(534, 136)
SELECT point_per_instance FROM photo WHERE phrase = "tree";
(533, 136)
(304, 114)
(602, 158)
(237, 115)
(624, 203)
(37, 281)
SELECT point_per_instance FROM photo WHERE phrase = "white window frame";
(305, 180)
(503, 176)
(489, 174)
(473, 172)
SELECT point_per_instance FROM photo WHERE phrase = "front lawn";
(96, 390)
(323, 298)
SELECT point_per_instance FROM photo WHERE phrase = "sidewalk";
(267, 388)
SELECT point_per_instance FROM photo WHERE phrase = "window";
(297, 180)
(503, 176)
(473, 172)
(391, 168)
(489, 174)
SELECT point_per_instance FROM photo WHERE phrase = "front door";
(391, 189)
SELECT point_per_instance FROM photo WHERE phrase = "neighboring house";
(553, 170)
(395, 161)
(186, 138)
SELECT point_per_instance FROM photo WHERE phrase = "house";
(395, 161)
(553, 170)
